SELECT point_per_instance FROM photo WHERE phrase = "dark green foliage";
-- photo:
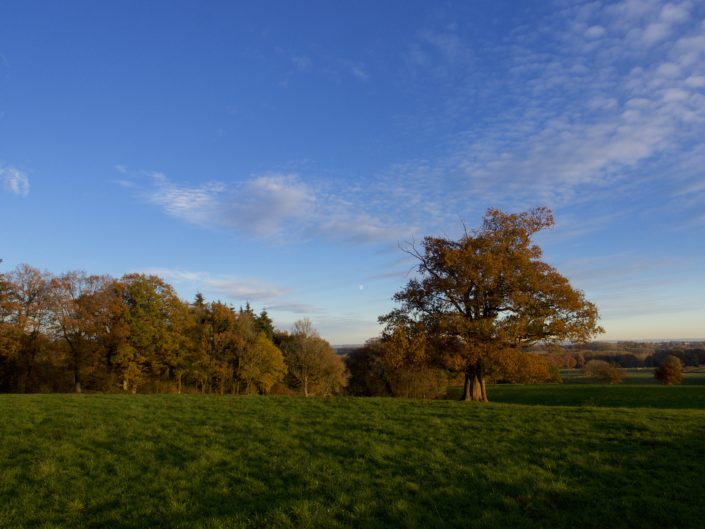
(384, 367)
(124, 461)
(265, 324)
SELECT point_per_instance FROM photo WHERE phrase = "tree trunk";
(477, 390)
(77, 377)
(474, 388)
(305, 386)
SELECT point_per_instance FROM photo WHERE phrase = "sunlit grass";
(203, 461)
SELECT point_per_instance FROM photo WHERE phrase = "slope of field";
(138, 461)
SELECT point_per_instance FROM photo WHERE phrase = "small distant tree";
(670, 371)
(604, 371)
(312, 362)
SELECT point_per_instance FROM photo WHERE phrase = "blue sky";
(279, 152)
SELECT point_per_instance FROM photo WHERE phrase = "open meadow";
(138, 461)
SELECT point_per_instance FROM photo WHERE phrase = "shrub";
(604, 371)
(670, 371)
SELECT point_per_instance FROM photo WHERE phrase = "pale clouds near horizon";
(274, 298)
(227, 286)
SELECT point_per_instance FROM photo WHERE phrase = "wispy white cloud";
(622, 85)
(15, 181)
(195, 204)
(261, 206)
(231, 287)
(578, 109)
(234, 289)
(295, 308)
(275, 206)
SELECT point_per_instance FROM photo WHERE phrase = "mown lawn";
(138, 461)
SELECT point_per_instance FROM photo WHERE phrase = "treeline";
(78, 332)
(624, 354)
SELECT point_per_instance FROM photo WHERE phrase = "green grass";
(639, 390)
(602, 395)
(138, 461)
(639, 375)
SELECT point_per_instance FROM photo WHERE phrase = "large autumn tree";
(489, 294)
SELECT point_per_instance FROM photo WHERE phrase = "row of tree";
(624, 354)
(86, 332)
(474, 308)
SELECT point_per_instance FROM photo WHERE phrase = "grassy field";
(639, 390)
(138, 461)
(638, 375)
(601, 395)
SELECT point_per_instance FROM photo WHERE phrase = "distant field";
(639, 390)
(642, 375)
(138, 461)
(602, 395)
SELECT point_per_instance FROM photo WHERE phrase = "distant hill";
(343, 350)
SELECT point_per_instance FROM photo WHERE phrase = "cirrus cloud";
(272, 206)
